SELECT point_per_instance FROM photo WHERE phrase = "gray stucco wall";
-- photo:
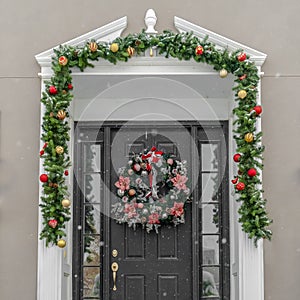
(30, 27)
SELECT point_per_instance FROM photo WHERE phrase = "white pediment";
(114, 29)
(219, 40)
(107, 32)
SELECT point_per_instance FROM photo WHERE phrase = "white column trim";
(50, 264)
(251, 258)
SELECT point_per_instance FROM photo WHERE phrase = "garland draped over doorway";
(55, 205)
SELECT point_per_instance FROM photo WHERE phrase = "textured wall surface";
(30, 27)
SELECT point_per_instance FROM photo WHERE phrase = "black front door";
(151, 265)
(115, 262)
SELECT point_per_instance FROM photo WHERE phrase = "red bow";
(152, 151)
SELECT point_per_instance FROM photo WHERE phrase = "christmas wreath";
(152, 190)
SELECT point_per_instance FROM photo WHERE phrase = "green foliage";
(253, 215)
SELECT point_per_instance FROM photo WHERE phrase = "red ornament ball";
(243, 77)
(66, 172)
(44, 178)
(52, 90)
(242, 57)
(42, 152)
(235, 180)
(258, 109)
(70, 86)
(137, 167)
(237, 157)
(199, 50)
(52, 223)
(240, 186)
(252, 172)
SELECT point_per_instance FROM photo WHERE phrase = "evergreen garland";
(183, 46)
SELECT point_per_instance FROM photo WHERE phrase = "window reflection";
(210, 218)
(209, 157)
(92, 157)
(92, 219)
(91, 281)
(210, 250)
(210, 282)
(210, 184)
(91, 250)
(92, 188)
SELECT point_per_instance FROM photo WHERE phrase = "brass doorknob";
(114, 268)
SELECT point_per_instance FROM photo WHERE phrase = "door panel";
(160, 263)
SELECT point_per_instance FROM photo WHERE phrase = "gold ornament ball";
(61, 243)
(114, 47)
(242, 94)
(151, 52)
(61, 114)
(65, 202)
(223, 73)
(62, 60)
(249, 137)
(130, 51)
(59, 150)
(131, 192)
(93, 47)
(143, 166)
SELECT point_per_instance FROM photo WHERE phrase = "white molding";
(219, 40)
(157, 65)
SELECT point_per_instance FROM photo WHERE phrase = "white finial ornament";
(150, 21)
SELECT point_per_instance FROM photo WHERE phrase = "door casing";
(91, 129)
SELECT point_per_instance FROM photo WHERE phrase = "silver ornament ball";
(120, 193)
(144, 173)
(164, 216)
